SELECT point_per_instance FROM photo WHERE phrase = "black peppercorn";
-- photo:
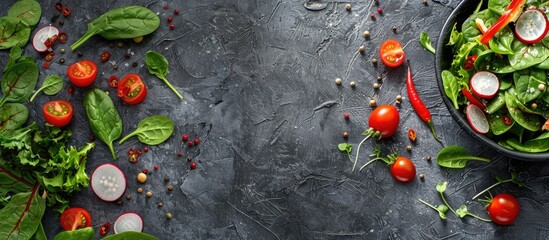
(62, 60)
(61, 22)
(134, 64)
(80, 54)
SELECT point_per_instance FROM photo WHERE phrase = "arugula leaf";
(426, 42)
(455, 157)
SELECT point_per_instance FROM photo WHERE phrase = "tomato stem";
(358, 151)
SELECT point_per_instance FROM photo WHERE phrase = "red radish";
(108, 182)
(484, 84)
(477, 119)
(42, 35)
(532, 26)
(128, 222)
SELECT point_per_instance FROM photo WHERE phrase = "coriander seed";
(374, 61)
(366, 34)
(352, 84)
(141, 177)
(421, 176)
(169, 216)
(399, 98)
(149, 194)
(140, 190)
(541, 87)
(361, 49)
(379, 77)
(348, 7)
(373, 103)
(376, 85)
(160, 205)
(338, 81)
(409, 148)
(345, 134)
(534, 105)
(170, 187)
(129, 197)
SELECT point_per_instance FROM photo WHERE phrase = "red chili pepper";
(105, 228)
(507, 120)
(70, 90)
(113, 81)
(472, 99)
(412, 134)
(62, 37)
(469, 63)
(66, 11)
(105, 56)
(417, 104)
(49, 57)
(59, 6)
(510, 14)
(46, 65)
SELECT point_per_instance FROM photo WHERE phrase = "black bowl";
(443, 60)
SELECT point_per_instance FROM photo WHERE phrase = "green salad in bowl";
(492, 67)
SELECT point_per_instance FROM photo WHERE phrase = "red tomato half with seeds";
(58, 112)
(403, 170)
(82, 73)
(503, 209)
(391, 53)
(74, 218)
(131, 89)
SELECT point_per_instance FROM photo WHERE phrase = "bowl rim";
(467, 7)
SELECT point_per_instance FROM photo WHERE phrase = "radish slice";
(41, 36)
(128, 222)
(477, 119)
(108, 182)
(484, 84)
(532, 26)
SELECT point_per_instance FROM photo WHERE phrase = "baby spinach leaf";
(18, 82)
(426, 42)
(502, 42)
(539, 144)
(497, 103)
(28, 11)
(456, 38)
(497, 125)
(130, 235)
(455, 157)
(526, 120)
(15, 53)
(13, 116)
(158, 66)
(40, 234)
(527, 55)
(498, 6)
(13, 32)
(469, 27)
(51, 86)
(121, 23)
(152, 130)
(451, 87)
(527, 82)
(80, 234)
(22, 215)
(103, 117)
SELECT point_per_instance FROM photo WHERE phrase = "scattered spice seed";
(80, 54)
(374, 61)
(127, 55)
(66, 11)
(380, 11)
(70, 90)
(425, 2)
(62, 50)
(373, 16)
(352, 84)
(428, 158)
(408, 148)
(190, 144)
(170, 19)
(376, 85)
(155, 167)
(366, 34)
(534, 105)
(134, 64)
(176, 11)
(170, 187)
(541, 87)
(196, 141)
(376, 2)
(379, 77)
(397, 102)
(372, 103)
(399, 98)
(346, 116)
(189, 159)
(348, 7)
(185, 137)
(139, 190)
(145, 171)
(193, 165)
(169, 216)
(115, 67)
(421, 176)
(361, 49)
(141, 177)
(149, 194)
(61, 23)
(120, 44)
(172, 26)
(138, 39)
(129, 197)
(160, 205)
(166, 179)
(394, 29)
(180, 154)
(166, 7)
(338, 81)
(145, 149)
(345, 134)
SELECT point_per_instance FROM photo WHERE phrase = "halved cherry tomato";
(58, 112)
(74, 218)
(403, 170)
(469, 63)
(504, 209)
(82, 73)
(131, 89)
(391, 53)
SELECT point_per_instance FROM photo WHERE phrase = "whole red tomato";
(503, 209)
(74, 218)
(385, 119)
(403, 170)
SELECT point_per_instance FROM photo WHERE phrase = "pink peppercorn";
(170, 19)
(172, 27)
(380, 11)
(145, 171)
(196, 141)
(190, 144)
(373, 16)
(193, 165)
(180, 154)
(155, 167)
(176, 11)
(346, 115)
(185, 137)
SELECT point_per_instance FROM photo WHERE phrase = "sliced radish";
(477, 119)
(108, 182)
(128, 222)
(532, 26)
(484, 84)
(41, 36)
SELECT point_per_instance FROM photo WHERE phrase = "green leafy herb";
(158, 66)
(346, 148)
(103, 117)
(527, 55)
(51, 86)
(462, 212)
(152, 130)
(28, 11)
(13, 116)
(21, 217)
(514, 179)
(441, 188)
(40, 234)
(441, 209)
(15, 53)
(130, 235)
(376, 156)
(19, 82)
(13, 32)
(526, 120)
(80, 234)
(451, 87)
(425, 41)
(121, 23)
(456, 157)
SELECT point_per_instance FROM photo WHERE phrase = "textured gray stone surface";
(258, 81)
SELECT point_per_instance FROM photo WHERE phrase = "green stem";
(171, 87)
(35, 94)
(478, 159)
(428, 204)
(433, 131)
(448, 205)
(83, 39)
(368, 163)
(349, 156)
(111, 147)
(479, 218)
(358, 151)
(490, 187)
(125, 138)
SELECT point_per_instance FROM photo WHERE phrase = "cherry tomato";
(403, 170)
(131, 89)
(384, 119)
(58, 112)
(503, 209)
(391, 53)
(74, 218)
(82, 73)
(469, 63)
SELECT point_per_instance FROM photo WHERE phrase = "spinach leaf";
(451, 87)
(13, 32)
(158, 66)
(152, 130)
(498, 6)
(121, 23)
(527, 55)
(426, 42)
(502, 42)
(40, 234)
(130, 235)
(526, 120)
(80, 234)
(456, 157)
(527, 82)
(28, 11)
(497, 103)
(456, 38)
(104, 119)
(21, 217)
(539, 144)
(13, 116)
(51, 86)
(463, 53)
(12, 183)
(497, 125)
(18, 82)
(15, 53)
(469, 27)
